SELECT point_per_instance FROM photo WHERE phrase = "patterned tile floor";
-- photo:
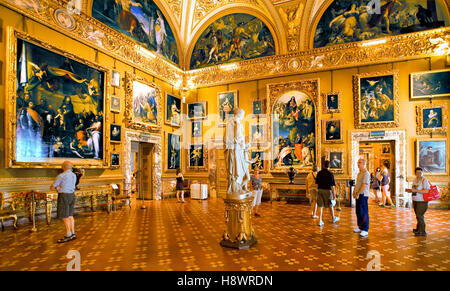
(184, 237)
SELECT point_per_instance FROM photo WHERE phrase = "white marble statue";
(236, 154)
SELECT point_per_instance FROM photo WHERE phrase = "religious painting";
(336, 156)
(332, 102)
(258, 107)
(197, 156)
(432, 119)
(140, 20)
(432, 156)
(333, 130)
(115, 104)
(173, 152)
(430, 84)
(116, 133)
(55, 107)
(197, 129)
(258, 133)
(173, 110)
(115, 79)
(232, 38)
(295, 131)
(257, 158)
(143, 104)
(376, 100)
(349, 21)
(227, 102)
(197, 110)
(115, 160)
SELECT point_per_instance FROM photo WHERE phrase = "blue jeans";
(362, 212)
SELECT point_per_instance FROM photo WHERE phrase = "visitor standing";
(257, 190)
(326, 196)
(361, 195)
(420, 186)
(180, 187)
(386, 194)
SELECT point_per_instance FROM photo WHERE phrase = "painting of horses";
(59, 107)
(140, 20)
(349, 21)
(430, 84)
(232, 38)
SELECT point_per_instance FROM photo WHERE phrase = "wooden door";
(146, 171)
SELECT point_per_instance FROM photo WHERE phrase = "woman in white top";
(311, 190)
(420, 186)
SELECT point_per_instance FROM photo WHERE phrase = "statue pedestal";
(238, 217)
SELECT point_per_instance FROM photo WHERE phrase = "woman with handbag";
(420, 186)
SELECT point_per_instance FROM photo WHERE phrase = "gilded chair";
(7, 210)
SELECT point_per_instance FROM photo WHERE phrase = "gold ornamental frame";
(418, 140)
(205, 158)
(324, 130)
(411, 85)
(325, 102)
(357, 100)
(166, 152)
(262, 123)
(120, 158)
(130, 120)
(10, 106)
(265, 159)
(435, 130)
(342, 169)
(221, 122)
(166, 121)
(311, 88)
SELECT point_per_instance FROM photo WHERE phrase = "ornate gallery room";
(224, 135)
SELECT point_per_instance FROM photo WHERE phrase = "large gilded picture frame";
(432, 119)
(430, 84)
(432, 156)
(294, 111)
(57, 106)
(376, 99)
(143, 104)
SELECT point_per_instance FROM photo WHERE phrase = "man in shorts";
(65, 185)
(327, 191)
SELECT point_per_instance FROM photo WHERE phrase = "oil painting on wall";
(333, 130)
(197, 156)
(432, 119)
(336, 156)
(227, 102)
(141, 20)
(173, 110)
(432, 84)
(258, 160)
(432, 156)
(258, 133)
(348, 21)
(173, 151)
(294, 130)
(59, 107)
(197, 110)
(232, 38)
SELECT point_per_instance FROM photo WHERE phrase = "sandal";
(65, 239)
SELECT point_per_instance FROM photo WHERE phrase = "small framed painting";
(432, 119)
(115, 160)
(430, 84)
(116, 133)
(173, 110)
(257, 157)
(258, 133)
(226, 103)
(332, 102)
(115, 104)
(197, 156)
(198, 110)
(115, 79)
(197, 129)
(336, 156)
(385, 148)
(333, 130)
(258, 107)
(431, 155)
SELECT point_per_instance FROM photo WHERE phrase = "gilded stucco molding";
(204, 7)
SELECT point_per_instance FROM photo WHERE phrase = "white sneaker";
(321, 223)
(364, 233)
(357, 230)
(336, 219)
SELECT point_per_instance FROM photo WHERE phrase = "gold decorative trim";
(343, 167)
(435, 130)
(129, 105)
(10, 108)
(326, 110)
(324, 130)
(357, 99)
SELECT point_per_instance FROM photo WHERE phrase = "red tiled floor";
(172, 236)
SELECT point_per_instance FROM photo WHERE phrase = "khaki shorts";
(324, 198)
(313, 195)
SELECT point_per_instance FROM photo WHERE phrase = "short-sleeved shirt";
(256, 183)
(311, 179)
(420, 184)
(363, 178)
(325, 180)
(66, 181)
(385, 179)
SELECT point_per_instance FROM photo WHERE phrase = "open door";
(146, 171)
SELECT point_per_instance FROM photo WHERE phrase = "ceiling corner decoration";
(344, 21)
(141, 20)
(232, 38)
(291, 16)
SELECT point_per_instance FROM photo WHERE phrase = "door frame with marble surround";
(399, 136)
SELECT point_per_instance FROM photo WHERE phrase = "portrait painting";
(432, 156)
(227, 102)
(140, 20)
(257, 158)
(173, 154)
(332, 102)
(347, 21)
(115, 160)
(333, 130)
(386, 148)
(116, 133)
(197, 110)
(143, 104)
(258, 133)
(197, 129)
(115, 79)
(432, 119)
(115, 104)
(173, 110)
(258, 107)
(336, 156)
(293, 124)
(58, 103)
(232, 38)
(197, 156)
(376, 99)
(430, 84)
